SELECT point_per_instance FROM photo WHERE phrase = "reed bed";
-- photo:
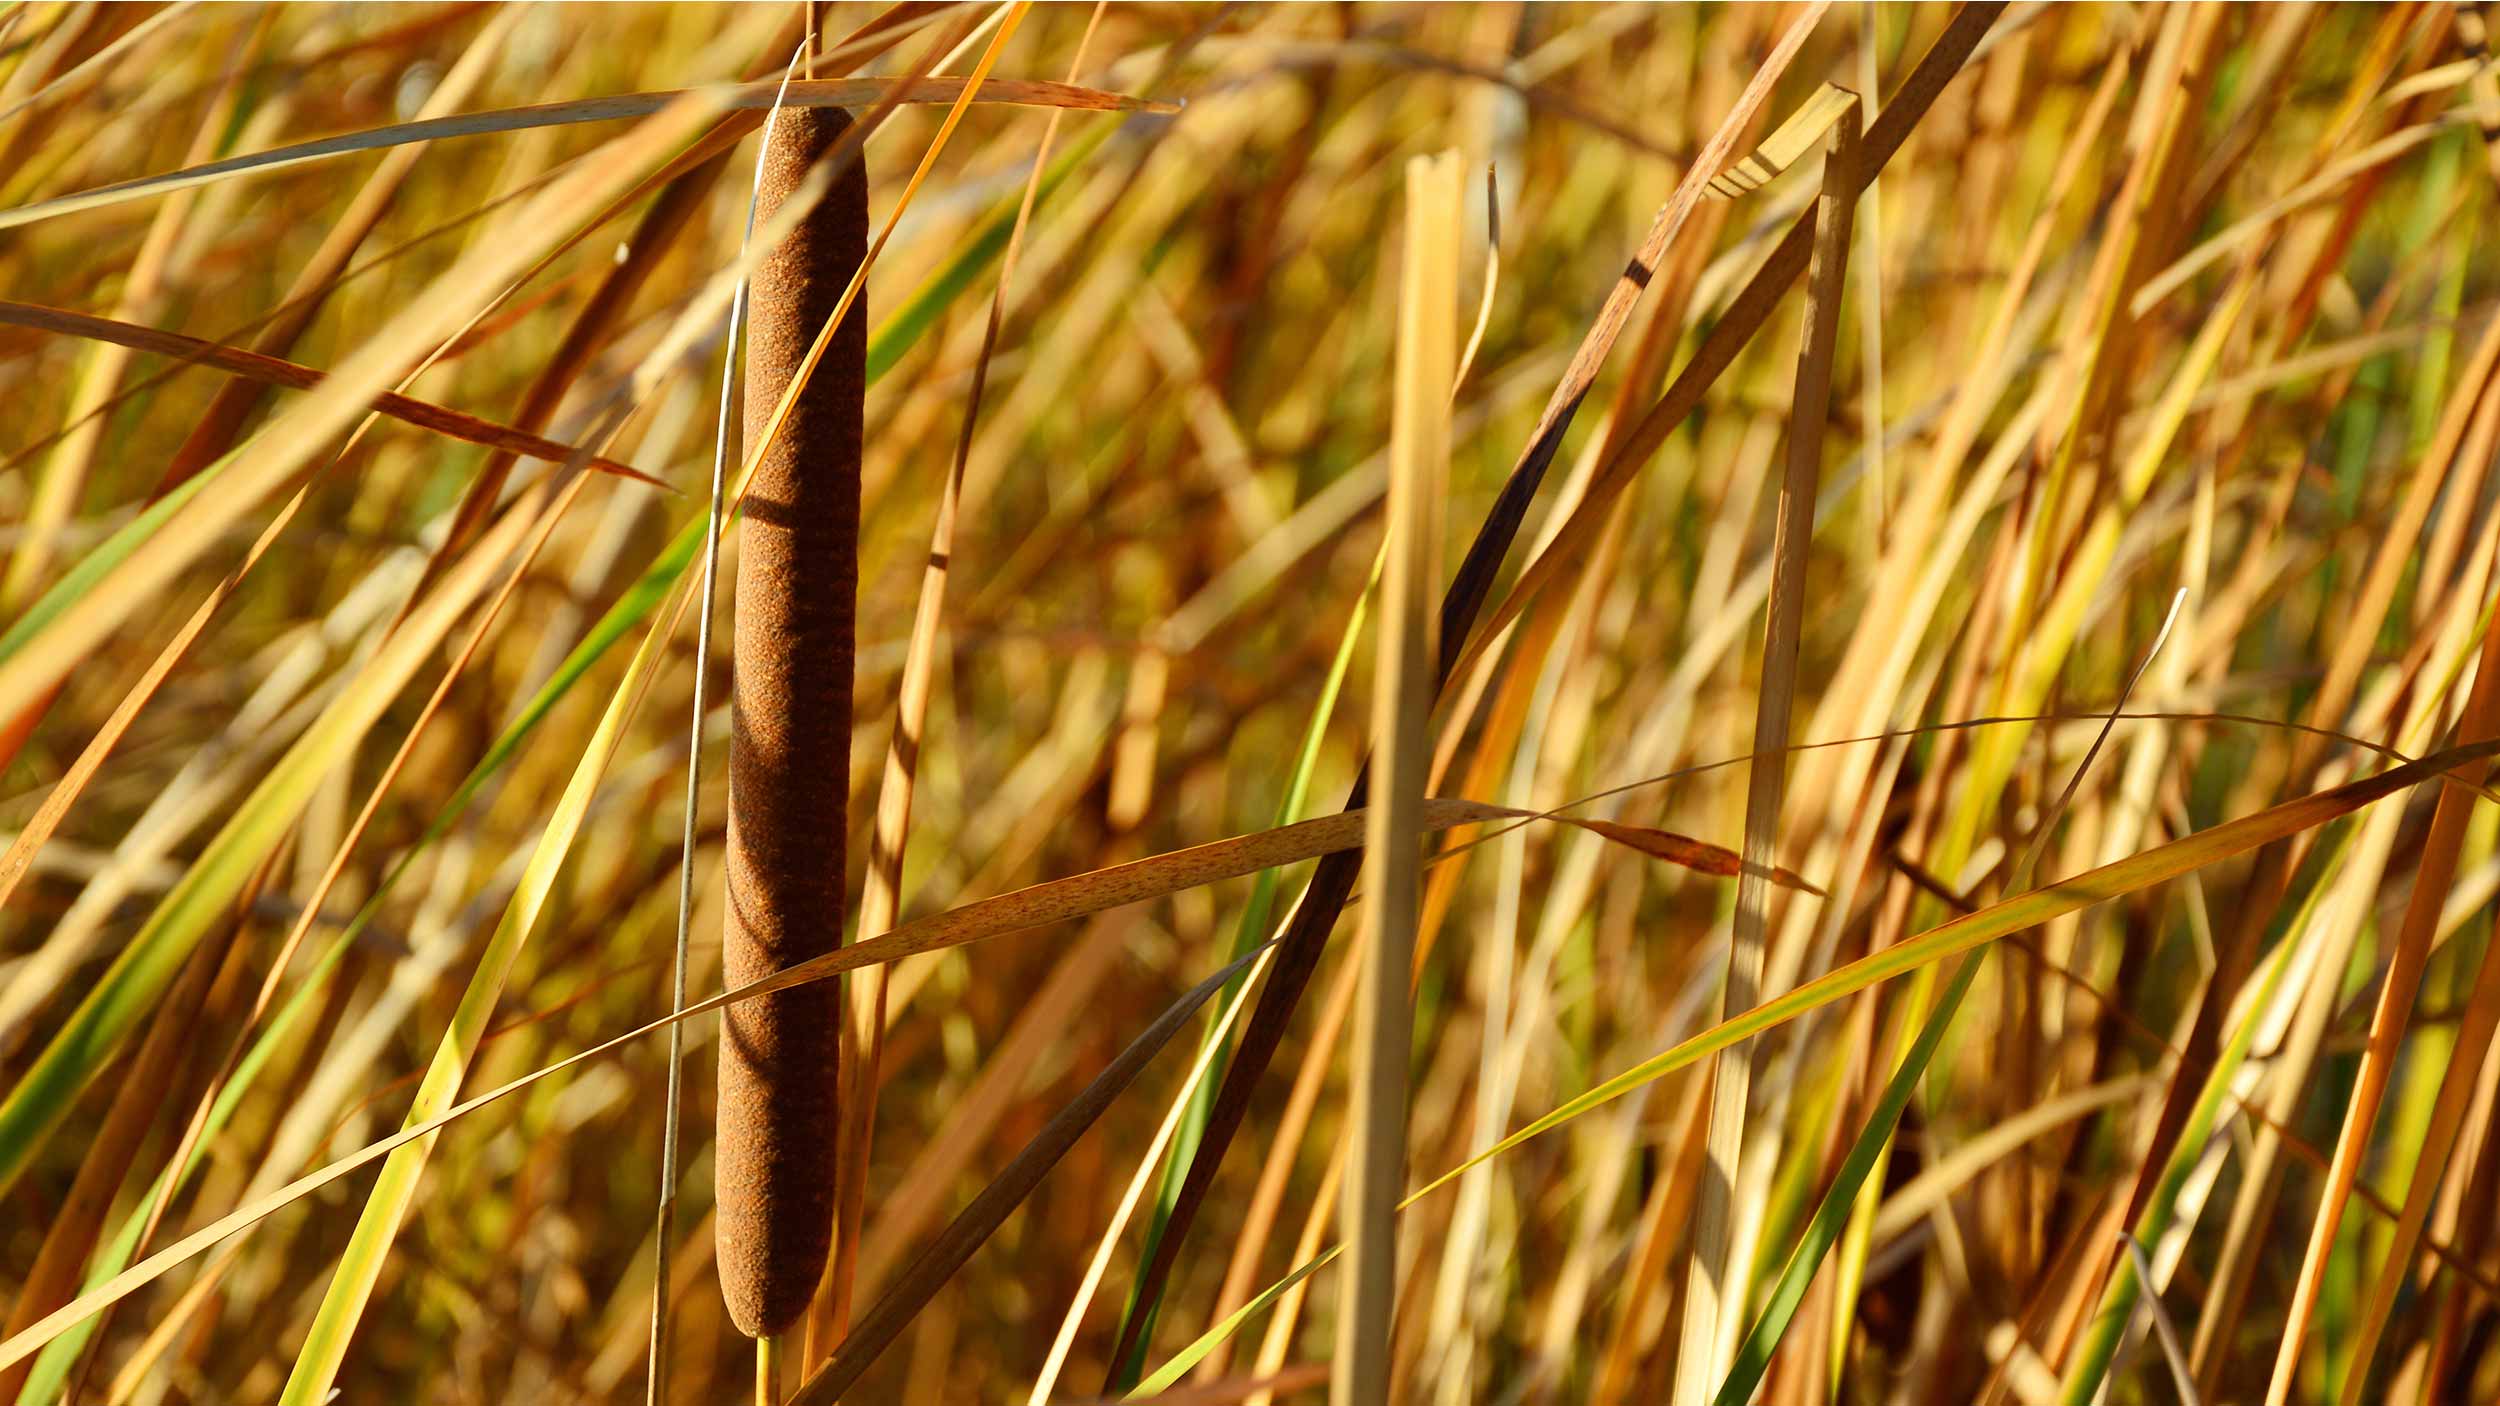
(1810, 725)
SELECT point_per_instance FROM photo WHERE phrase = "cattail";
(789, 752)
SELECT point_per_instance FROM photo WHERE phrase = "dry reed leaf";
(1709, 1314)
(1473, 580)
(277, 371)
(1789, 141)
(1155, 530)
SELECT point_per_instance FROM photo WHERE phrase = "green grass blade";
(99, 562)
(206, 892)
(360, 1267)
(1255, 917)
(1753, 1357)
(1170, 1373)
(50, 1375)
(2020, 913)
(920, 312)
(2017, 914)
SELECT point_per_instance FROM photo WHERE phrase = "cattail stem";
(789, 760)
(768, 1370)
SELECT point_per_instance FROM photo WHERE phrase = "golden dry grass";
(1847, 958)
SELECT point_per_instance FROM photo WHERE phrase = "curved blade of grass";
(2017, 914)
(1170, 1373)
(55, 488)
(1256, 914)
(278, 371)
(80, 612)
(834, 92)
(1753, 1357)
(203, 895)
(360, 1266)
(2023, 911)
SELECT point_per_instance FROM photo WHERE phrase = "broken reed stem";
(1419, 453)
(789, 757)
(1714, 1288)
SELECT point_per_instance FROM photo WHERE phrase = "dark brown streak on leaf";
(1745, 314)
(1699, 855)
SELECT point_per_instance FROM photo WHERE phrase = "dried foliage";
(1936, 841)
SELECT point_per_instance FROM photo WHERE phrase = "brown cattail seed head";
(789, 754)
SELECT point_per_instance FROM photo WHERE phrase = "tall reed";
(789, 759)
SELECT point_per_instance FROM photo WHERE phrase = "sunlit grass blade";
(1831, 1216)
(937, 1263)
(836, 92)
(360, 1266)
(77, 613)
(1257, 913)
(1974, 930)
(277, 371)
(80, 1051)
